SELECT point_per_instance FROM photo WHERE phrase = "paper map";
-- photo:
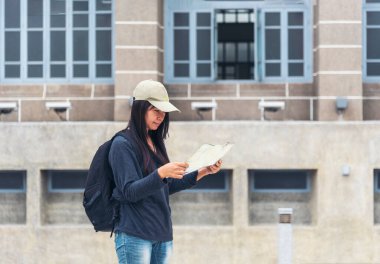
(207, 155)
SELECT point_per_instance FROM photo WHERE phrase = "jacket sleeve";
(131, 186)
(189, 180)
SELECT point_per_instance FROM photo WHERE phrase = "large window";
(56, 40)
(372, 40)
(258, 41)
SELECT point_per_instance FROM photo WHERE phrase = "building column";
(33, 197)
(138, 49)
(338, 58)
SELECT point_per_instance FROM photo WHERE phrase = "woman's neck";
(150, 143)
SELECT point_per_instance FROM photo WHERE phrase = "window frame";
(259, 7)
(20, 190)
(368, 7)
(46, 32)
(290, 190)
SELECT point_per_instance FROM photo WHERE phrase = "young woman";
(145, 178)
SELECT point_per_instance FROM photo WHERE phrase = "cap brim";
(164, 106)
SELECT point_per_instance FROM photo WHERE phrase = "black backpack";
(100, 207)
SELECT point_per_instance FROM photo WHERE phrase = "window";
(372, 39)
(55, 40)
(66, 180)
(218, 182)
(12, 181)
(235, 44)
(280, 181)
(209, 41)
(377, 181)
(273, 189)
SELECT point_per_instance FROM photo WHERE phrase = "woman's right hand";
(173, 170)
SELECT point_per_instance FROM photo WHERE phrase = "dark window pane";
(80, 45)
(81, 20)
(243, 52)
(57, 7)
(220, 51)
(58, 46)
(373, 1)
(204, 70)
(103, 5)
(57, 71)
(35, 13)
(68, 179)
(181, 19)
(378, 180)
(57, 13)
(295, 69)
(295, 45)
(181, 44)
(103, 20)
(58, 21)
(272, 69)
(35, 46)
(181, 70)
(103, 45)
(203, 44)
(373, 18)
(12, 13)
(230, 52)
(203, 19)
(272, 19)
(12, 46)
(373, 43)
(12, 71)
(295, 19)
(272, 44)
(12, 180)
(80, 6)
(373, 69)
(280, 180)
(80, 71)
(35, 71)
(104, 70)
(213, 182)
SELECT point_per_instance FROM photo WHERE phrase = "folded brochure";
(207, 155)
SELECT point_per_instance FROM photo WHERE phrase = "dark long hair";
(138, 130)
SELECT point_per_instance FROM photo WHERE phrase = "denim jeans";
(134, 250)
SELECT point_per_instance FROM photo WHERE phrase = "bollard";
(285, 235)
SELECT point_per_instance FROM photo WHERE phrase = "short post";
(285, 235)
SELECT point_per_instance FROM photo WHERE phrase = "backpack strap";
(115, 217)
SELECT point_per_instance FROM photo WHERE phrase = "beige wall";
(341, 207)
(338, 55)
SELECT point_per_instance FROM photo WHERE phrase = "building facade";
(294, 84)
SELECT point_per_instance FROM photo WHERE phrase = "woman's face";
(154, 118)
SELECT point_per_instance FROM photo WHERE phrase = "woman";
(145, 178)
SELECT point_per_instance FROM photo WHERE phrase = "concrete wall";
(12, 208)
(342, 209)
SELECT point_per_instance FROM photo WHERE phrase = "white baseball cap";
(155, 93)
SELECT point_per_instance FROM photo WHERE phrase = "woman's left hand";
(209, 170)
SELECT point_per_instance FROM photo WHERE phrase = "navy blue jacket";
(145, 210)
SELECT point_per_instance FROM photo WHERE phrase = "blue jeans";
(134, 250)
